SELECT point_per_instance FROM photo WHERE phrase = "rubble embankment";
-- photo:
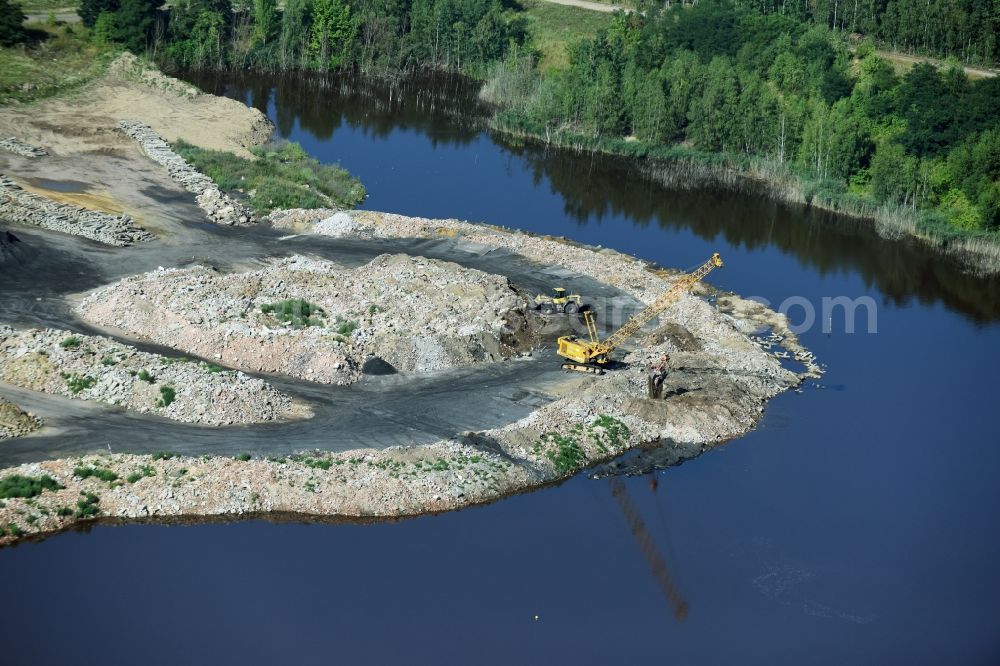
(23, 207)
(718, 386)
(633, 276)
(316, 320)
(18, 147)
(15, 422)
(103, 370)
(219, 207)
(716, 392)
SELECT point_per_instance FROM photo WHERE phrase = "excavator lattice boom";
(593, 355)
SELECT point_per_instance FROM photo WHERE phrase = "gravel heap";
(102, 370)
(18, 205)
(640, 279)
(718, 385)
(15, 145)
(716, 392)
(220, 208)
(14, 422)
(416, 314)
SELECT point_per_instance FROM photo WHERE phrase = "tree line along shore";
(791, 95)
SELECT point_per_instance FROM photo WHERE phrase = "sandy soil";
(107, 169)
(84, 122)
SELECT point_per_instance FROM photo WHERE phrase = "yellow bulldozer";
(559, 302)
(593, 355)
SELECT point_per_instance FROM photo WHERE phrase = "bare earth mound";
(15, 422)
(416, 314)
(85, 120)
(101, 370)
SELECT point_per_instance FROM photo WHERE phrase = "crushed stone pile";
(15, 422)
(23, 207)
(637, 278)
(416, 314)
(102, 370)
(220, 208)
(15, 145)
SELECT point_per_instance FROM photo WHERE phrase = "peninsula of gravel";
(722, 381)
(250, 334)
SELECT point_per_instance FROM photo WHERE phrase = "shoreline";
(467, 469)
(717, 392)
(689, 169)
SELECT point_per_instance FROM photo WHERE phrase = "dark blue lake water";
(858, 524)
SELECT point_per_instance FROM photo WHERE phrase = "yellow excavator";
(593, 355)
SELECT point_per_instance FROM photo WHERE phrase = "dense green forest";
(965, 29)
(780, 88)
(373, 36)
(463, 34)
(718, 79)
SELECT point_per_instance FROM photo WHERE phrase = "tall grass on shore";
(682, 168)
(282, 176)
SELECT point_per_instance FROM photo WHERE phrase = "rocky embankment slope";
(640, 279)
(102, 370)
(15, 422)
(22, 207)
(220, 208)
(18, 147)
(316, 320)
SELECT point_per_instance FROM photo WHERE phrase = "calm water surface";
(858, 524)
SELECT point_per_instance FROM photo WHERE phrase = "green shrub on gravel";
(146, 470)
(77, 383)
(564, 451)
(87, 507)
(346, 326)
(71, 342)
(96, 472)
(146, 377)
(282, 176)
(164, 455)
(243, 457)
(13, 529)
(616, 430)
(167, 395)
(295, 311)
(16, 485)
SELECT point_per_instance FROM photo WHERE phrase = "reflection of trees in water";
(598, 187)
(447, 111)
(444, 108)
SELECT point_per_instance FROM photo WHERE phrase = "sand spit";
(720, 383)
